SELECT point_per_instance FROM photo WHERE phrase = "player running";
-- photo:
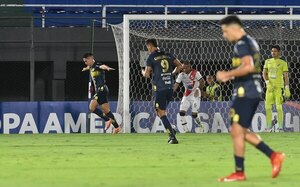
(193, 84)
(97, 72)
(276, 76)
(246, 97)
(160, 65)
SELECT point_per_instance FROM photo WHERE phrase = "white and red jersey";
(190, 81)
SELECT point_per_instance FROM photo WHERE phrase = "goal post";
(126, 71)
(198, 45)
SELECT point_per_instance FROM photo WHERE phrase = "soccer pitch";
(139, 160)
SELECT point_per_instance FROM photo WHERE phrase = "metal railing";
(290, 9)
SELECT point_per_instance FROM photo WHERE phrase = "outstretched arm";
(106, 68)
(85, 68)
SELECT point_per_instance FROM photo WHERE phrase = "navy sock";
(111, 116)
(100, 114)
(265, 149)
(239, 163)
(167, 125)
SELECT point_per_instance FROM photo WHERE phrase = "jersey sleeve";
(242, 49)
(179, 78)
(98, 64)
(198, 76)
(266, 64)
(285, 66)
(149, 61)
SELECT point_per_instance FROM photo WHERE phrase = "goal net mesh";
(201, 43)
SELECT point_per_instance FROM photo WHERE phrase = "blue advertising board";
(73, 117)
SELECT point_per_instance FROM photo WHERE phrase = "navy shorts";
(102, 95)
(243, 110)
(162, 98)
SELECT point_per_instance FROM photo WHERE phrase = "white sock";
(197, 120)
(183, 120)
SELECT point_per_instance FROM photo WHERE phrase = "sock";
(197, 119)
(269, 115)
(111, 116)
(239, 163)
(265, 149)
(100, 114)
(280, 115)
(167, 125)
(183, 120)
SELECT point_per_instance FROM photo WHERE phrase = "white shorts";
(190, 101)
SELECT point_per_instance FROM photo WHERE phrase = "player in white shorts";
(192, 80)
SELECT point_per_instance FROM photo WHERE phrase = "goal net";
(198, 39)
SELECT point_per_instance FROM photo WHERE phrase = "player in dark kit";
(246, 75)
(161, 64)
(97, 72)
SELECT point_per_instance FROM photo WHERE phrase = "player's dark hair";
(211, 76)
(86, 55)
(276, 47)
(152, 41)
(186, 63)
(231, 20)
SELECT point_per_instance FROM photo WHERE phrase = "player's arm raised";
(178, 66)
(246, 67)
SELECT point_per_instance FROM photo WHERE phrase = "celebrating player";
(276, 76)
(160, 65)
(97, 72)
(247, 93)
(192, 81)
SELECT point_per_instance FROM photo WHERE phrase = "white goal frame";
(126, 48)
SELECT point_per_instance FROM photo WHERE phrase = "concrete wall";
(57, 45)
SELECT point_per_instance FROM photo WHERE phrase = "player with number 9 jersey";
(160, 64)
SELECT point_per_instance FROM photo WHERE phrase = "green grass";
(138, 160)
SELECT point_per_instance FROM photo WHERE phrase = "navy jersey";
(97, 75)
(248, 86)
(162, 67)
